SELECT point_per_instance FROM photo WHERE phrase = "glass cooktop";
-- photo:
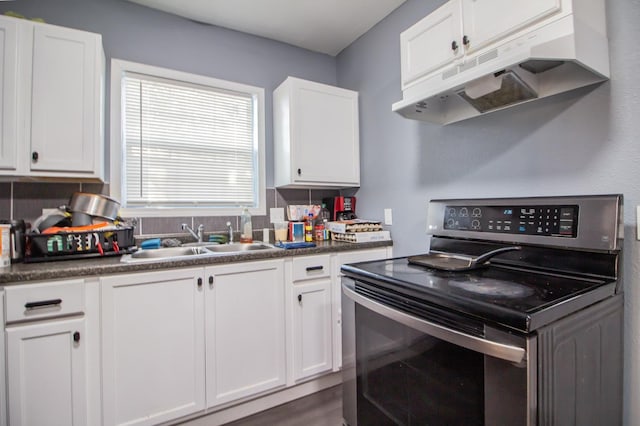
(523, 300)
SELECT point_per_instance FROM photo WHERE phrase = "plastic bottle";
(246, 229)
(324, 217)
(308, 228)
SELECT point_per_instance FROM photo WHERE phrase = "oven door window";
(405, 377)
(409, 378)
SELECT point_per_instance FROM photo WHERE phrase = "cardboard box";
(354, 225)
(361, 237)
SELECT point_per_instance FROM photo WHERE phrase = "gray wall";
(578, 143)
(140, 34)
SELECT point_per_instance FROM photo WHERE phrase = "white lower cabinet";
(245, 330)
(310, 298)
(312, 329)
(152, 346)
(46, 354)
(46, 373)
(3, 397)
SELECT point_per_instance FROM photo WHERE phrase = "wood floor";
(323, 408)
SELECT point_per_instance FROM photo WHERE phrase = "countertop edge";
(26, 272)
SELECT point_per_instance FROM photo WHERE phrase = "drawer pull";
(43, 304)
(76, 336)
(314, 268)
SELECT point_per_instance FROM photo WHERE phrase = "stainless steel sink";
(239, 247)
(169, 252)
(193, 250)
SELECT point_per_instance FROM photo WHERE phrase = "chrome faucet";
(199, 235)
(230, 240)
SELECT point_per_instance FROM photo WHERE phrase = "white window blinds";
(187, 145)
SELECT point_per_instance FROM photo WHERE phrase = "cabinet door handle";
(43, 304)
(466, 41)
(299, 172)
(454, 45)
(315, 268)
(76, 336)
(211, 279)
(35, 156)
(300, 298)
(199, 282)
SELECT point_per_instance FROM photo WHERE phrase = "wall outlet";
(388, 217)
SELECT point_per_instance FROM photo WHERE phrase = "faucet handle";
(184, 226)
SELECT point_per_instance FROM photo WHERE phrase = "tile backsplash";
(25, 200)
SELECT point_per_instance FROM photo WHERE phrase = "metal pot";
(94, 205)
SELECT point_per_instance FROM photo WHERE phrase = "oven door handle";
(498, 350)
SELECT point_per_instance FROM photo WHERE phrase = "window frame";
(118, 69)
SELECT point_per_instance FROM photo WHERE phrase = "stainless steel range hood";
(563, 55)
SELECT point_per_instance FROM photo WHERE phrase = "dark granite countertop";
(96, 266)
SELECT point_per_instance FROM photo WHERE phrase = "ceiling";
(323, 26)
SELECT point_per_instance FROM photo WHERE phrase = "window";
(186, 144)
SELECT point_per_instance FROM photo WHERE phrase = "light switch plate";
(388, 217)
(276, 214)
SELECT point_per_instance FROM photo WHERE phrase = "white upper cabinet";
(8, 93)
(316, 135)
(485, 21)
(58, 104)
(461, 27)
(431, 43)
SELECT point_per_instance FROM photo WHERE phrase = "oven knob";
(450, 223)
(476, 212)
(452, 212)
(475, 224)
(464, 212)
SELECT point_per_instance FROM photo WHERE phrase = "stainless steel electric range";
(514, 317)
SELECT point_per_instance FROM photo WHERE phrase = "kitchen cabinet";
(316, 135)
(462, 27)
(3, 396)
(336, 291)
(310, 298)
(152, 346)
(57, 76)
(46, 354)
(245, 330)
(46, 373)
(8, 94)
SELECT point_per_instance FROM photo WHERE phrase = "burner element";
(492, 287)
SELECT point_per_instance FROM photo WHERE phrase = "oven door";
(400, 369)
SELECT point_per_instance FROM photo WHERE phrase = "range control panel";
(551, 221)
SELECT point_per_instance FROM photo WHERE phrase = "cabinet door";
(46, 373)
(3, 398)
(8, 93)
(429, 44)
(485, 21)
(152, 346)
(312, 328)
(325, 144)
(65, 101)
(245, 327)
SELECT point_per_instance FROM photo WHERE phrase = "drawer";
(311, 267)
(44, 300)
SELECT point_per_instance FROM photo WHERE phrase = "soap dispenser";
(246, 229)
